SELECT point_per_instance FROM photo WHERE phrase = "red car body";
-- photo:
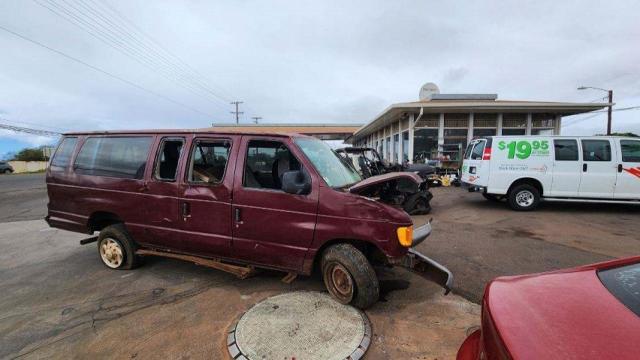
(566, 314)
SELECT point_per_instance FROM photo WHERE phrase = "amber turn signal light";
(405, 235)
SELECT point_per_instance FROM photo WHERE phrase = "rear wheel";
(524, 197)
(116, 248)
(349, 277)
(7, 171)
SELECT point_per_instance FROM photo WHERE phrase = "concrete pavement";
(22, 197)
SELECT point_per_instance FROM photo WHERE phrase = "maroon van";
(236, 201)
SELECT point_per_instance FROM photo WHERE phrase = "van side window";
(476, 154)
(120, 157)
(62, 157)
(566, 150)
(467, 153)
(630, 150)
(266, 162)
(168, 157)
(596, 150)
(209, 160)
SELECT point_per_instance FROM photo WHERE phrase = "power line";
(102, 71)
(596, 113)
(112, 39)
(29, 130)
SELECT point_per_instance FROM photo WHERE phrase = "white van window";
(120, 157)
(630, 150)
(476, 154)
(467, 153)
(596, 150)
(566, 150)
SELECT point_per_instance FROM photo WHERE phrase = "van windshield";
(328, 163)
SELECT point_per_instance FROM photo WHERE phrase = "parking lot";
(58, 299)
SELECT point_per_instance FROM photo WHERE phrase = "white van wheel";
(111, 253)
(524, 197)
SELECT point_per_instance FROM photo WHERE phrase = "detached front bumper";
(424, 266)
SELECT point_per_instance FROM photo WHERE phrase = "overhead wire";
(107, 37)
(131, 83)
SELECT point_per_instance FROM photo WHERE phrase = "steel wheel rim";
(111, 253)
(339, 282)
(525, 198)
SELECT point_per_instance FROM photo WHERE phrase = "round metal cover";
(300, 325)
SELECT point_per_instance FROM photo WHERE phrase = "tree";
(30, 154)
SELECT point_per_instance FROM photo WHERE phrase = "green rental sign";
(523, 149)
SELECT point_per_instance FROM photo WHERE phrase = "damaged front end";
(424, 266)
(401, 189)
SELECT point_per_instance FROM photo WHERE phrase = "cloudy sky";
(179, 63)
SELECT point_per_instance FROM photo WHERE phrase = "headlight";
(405, 235)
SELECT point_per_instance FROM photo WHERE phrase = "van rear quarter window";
(120, 157)
(62, 157)
(630, 150)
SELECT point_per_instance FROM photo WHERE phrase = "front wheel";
(349, 277)
(524, 197)
(7, 171)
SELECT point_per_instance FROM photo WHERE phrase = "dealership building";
(439, 126)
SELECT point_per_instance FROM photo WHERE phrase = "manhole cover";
(300, 325)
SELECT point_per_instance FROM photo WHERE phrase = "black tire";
(519, 193)
(491, 197)
(417, 204)
(120, 235)
(363, 282)
(7, 171)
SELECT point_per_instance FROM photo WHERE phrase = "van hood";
(404, 181)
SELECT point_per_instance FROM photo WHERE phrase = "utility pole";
(610, 107)
(256, 118)
(609, 112)
(237, 113)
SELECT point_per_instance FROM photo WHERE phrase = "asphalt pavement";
(22, 197)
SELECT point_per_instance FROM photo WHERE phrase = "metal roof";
(395, 111)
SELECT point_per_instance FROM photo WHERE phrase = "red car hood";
(566, 314)
(378, 180)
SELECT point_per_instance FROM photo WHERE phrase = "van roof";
(226, 131)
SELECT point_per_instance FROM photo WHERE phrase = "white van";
(528, 169)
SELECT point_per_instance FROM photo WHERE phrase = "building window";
(429, 120)
(425, 145)
(405, 146)
(514, 131)
(544, 120)
(483, 120)
(396, 147)
(455, 120)
(541, 131)
(483, 132)
(512, 120)
(388, 149)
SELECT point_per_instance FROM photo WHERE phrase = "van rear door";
(475, 167)
(628, 182)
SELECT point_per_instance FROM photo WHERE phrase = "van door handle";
(584, 167)
(186, 210)
(238, 215)
(619, 168)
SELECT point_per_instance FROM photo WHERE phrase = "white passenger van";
(528, 169)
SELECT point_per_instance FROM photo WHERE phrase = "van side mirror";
(296, 182)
